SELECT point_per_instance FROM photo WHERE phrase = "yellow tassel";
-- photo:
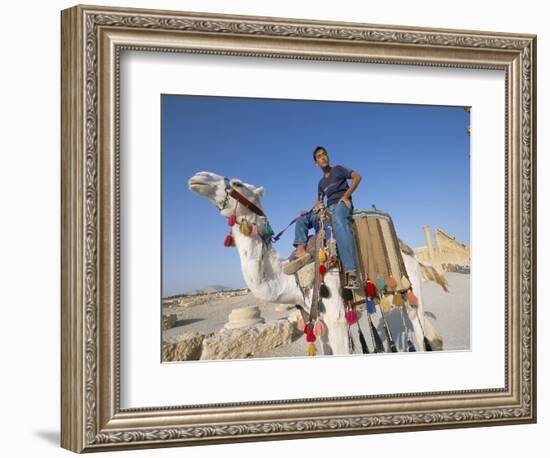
(385, 304)
(322, 255)
(245, 227)
(311, 350)
(405, 283)
(398, 300)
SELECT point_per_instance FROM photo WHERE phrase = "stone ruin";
(449, 254)
(245, 335)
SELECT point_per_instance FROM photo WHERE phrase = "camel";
(262, 269)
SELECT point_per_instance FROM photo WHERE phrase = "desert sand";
(449, 311)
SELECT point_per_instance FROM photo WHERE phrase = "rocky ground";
(207, 314)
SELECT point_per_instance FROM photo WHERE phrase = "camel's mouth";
(198, 186)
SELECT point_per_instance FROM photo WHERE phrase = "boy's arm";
(355, 180)
(320, 196)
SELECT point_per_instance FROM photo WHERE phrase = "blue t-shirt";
(335, 184)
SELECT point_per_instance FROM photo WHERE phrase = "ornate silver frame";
(92, 39)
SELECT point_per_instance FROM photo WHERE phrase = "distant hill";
(209, 290)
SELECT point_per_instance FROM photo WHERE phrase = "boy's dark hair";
(318, 148)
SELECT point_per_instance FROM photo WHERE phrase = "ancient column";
(426, 229)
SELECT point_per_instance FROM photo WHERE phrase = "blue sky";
(414, 161)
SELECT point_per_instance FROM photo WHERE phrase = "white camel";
(262, 270)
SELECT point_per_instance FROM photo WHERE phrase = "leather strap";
(244, 201)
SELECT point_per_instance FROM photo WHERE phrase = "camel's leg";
(416, 282)
(334, 317)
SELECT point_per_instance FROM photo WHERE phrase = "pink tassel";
(351, 316)
(301, 324)
(320, 328)
(412, 299)
(254, 230)
(392, 282)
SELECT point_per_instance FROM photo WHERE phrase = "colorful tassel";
(266, 231)
(311, 350)
(380, 283)
(320, 328)
(322, 270)
(228, 242)
(321, 307)
(370, 288)
(245, 227)
(310, 336)
(392, 283)
(232, 219)
(405, 283)
(370, 306)
(324, 292)
(322, 255)
(398, 300)
(385, 304)
(347, 294)
(412, 299)
(316, 225)
(254, 230)
(351, 316)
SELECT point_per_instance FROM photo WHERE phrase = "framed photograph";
(278, 228)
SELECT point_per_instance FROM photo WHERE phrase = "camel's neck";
(262, 270)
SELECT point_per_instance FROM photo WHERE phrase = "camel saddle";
(378, 249)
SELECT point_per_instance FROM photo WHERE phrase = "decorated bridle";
(230, 191)
(261, 227)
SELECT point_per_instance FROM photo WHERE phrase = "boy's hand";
(318, 206)
(346, 202)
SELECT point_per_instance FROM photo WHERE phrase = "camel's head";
(215, 187)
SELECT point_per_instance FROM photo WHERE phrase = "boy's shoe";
(352, 282)
(296, 263)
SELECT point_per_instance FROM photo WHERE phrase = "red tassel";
(228, 242)
(310, 337)
(370, 288)
(232, 219)
(322, 270)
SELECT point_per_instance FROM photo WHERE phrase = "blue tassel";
(370, 306)
(267, 232)
(380, 283)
